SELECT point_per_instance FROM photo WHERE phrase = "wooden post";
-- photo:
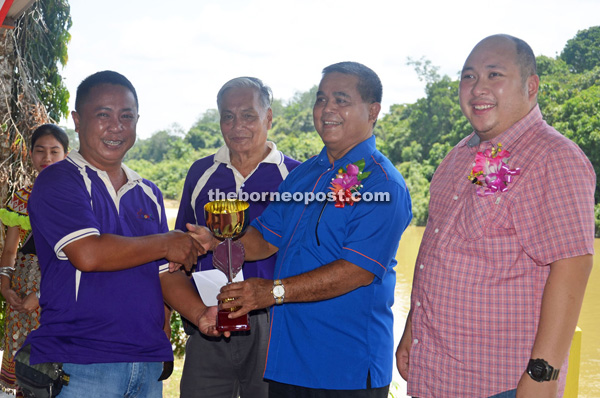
(572, 387)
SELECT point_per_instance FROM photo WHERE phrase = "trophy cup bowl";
(228, 219)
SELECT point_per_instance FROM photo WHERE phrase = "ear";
(269, 119)
(533, 85)
(374, 110)
(75, 117)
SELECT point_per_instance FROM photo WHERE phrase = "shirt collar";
(75, 157)
(361, 151)
(511, 135)
(274, 156)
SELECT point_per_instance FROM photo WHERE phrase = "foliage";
(293, 129)
(417, 176)
(43, 36)
(579, 120)
(582, 52)
(178, 336)
(33, 88)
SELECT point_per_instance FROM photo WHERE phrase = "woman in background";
(19, 268)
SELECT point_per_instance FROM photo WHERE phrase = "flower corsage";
(491, 171)
(346, 184)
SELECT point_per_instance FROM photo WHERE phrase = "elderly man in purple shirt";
(247, 165)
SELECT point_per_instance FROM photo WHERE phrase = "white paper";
(210, 282)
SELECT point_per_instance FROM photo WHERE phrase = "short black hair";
(98, 78)
(369, 86)
(50, 129)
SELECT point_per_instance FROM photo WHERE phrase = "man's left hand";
(207, 323)
(529, 388)
(251, 294)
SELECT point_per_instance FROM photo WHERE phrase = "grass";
(171, 385)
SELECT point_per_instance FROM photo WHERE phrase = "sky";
(179, 53)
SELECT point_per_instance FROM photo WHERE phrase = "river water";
(589, 320)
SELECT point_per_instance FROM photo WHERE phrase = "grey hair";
(264, 91)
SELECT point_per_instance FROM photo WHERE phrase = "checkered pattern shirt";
(483, 261)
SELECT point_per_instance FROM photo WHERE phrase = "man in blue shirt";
(247, 165)
(104, 250)
(331, 327)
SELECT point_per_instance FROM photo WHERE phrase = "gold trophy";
(228, 219)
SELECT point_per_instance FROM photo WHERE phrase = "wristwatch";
(539, 370)
(278, 291)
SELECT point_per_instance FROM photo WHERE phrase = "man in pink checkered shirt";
(504, 262)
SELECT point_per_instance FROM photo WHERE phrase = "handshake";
(185, 247)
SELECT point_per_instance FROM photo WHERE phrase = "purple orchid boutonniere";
(491, 171)
(346, 184)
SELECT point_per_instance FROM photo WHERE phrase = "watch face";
(538, 370)
(278, 291)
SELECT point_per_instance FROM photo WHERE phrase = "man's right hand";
(403, 350)
(183, 249)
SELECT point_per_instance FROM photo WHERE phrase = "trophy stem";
(229, 260)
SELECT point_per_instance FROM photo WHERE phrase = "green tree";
(582, 52)
(417, 176)
(206, 132)
(156, 147)
(579, 120)
(293, 129)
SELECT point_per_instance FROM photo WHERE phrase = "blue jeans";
(108, 380)
(506, 394)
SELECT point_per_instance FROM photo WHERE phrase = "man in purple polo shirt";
(104, 247)
(247, 163)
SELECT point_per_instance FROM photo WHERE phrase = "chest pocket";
(485, 216)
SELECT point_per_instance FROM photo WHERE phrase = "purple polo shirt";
(96, 317)
(216, 172)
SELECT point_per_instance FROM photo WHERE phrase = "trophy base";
(224, 324)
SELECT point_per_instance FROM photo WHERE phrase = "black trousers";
(280, 390)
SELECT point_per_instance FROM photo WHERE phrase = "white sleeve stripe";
(72, 237)
(283, 169)
(200, 185)
(163, 268)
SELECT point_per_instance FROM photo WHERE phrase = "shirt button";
(418, 303)
(455, 197)
(436, 230)
(415, 341)
(421, 266)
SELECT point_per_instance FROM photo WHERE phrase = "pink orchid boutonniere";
(491, 171)
(346, 184)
